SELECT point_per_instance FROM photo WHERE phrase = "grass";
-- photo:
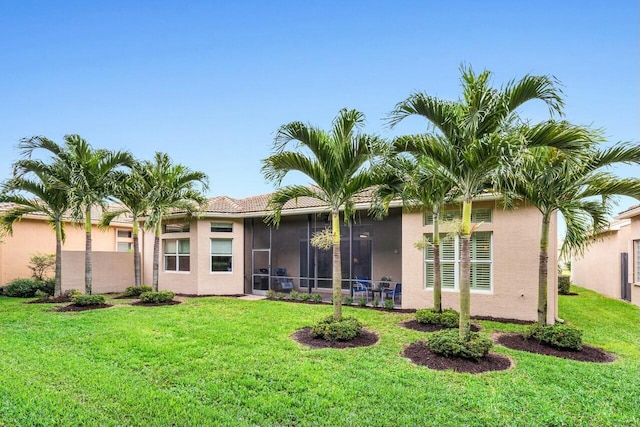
(224, 361)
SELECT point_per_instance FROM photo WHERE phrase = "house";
(112, 258)
(611, 264)
(228, 249)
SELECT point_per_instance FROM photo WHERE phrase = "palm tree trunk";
(337, 267)
(465, 272)
(542, 270)
(136, 252)
(57, 288)
(88, 266)
(437, 276)
(156, 257)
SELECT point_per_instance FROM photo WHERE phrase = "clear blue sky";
(210, 82)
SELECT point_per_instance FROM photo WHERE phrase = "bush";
(136, 291)
(271, 294)
(347, 329)
(564, 282)
(305, 296)
(448, 318)
(71, 293)
(316, 298)
(294, 295)
(375, 302)
(388, 303)
(26, 288)
(448, 343)
(85, 300)
(157, 297)
(280, 295)
(362, 302)
(348, 300)
(559, 335)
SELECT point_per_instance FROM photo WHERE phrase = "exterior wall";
(633, 274)
(219, 282)
(112, 271)
(31, 236)
(599, 268)
(199, 280)
(514, 294)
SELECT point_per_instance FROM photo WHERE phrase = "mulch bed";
(425, 327)
(50, 300)
(365, 339)
(419, 354)
(155, 304)
(73, 307)
(587, 354)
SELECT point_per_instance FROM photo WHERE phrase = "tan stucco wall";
(112, 271)
(31, 236)
(516, 237)
(200, 280)
(599, 268)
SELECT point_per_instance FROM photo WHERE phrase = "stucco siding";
(220, 282)
(31, 236)
(515, 251)
(112, 271)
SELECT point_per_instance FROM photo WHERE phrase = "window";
(221, 227)
(477, 215)
(124, 240)
(450, 261)
(176, 255)
(221, 255)
(180, 227)
(637, 245)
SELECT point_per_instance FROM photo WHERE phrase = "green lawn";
(223, 361)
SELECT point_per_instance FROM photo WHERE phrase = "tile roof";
(96, 213)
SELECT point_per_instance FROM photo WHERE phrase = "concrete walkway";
(253, 297)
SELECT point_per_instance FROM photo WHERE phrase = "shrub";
(448, 318)
(271, 294)
(135, 291)
(305, 296)
(280, 295)
(71, 292)
(348, 300)
(564, 282)
(25, 288)
(559, 335)
(294, 295)
(39, 264)
(41, 294)
(362, 302)
(331, 330)
(448, 343)
(388, 303)
(375, 302)
(316, 298)
(85, 300)
(157, 297)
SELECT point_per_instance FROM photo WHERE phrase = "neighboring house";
(228, 249)
(611, 264)
(33, 234)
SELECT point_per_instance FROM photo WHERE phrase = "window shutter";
(428, 249)
(481, 276)
(481, 246)
(447, 249)
(428, 274)
(480, 215)
(448, 275)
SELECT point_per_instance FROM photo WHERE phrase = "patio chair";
(361, 287)
(396, 291)
(285, 283)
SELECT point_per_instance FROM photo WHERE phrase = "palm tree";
(554, 182)
(132, 190)
(469, 140)
(48, 199)
(172, 189)
(90, 182)
(412, 179)
(335, 162)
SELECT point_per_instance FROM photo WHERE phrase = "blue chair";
(361, 287)
(396, 291)
(286, 283)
